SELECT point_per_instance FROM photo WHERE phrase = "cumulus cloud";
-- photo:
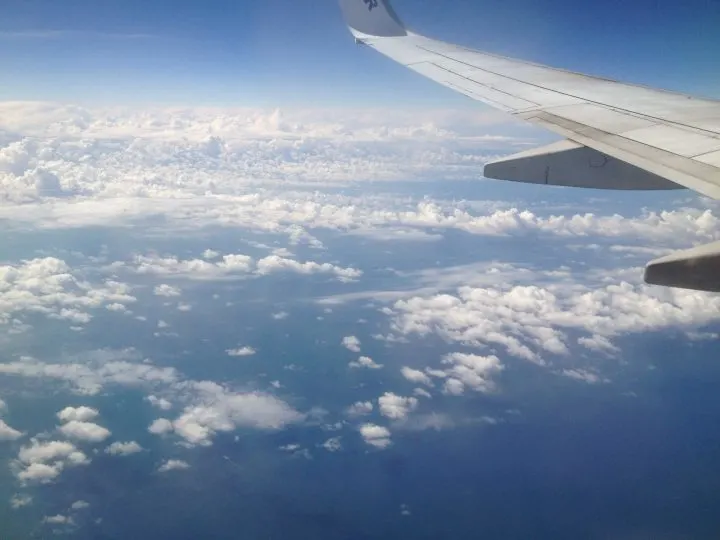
(533, 322)
(167, 291)
(173, 465)
(375, 435)
(161, 403)
(396, 407)
(416, 376)
(351, 343)
(218, 409)
(161, 426)
(365, 362)
(48, 286)
(79, 414)
(361, 408)
(84, 431)
(80, 505)
(7, 433)
(43, 461)
(123, 448)
(241, 351)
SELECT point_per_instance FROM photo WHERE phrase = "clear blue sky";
(287, 52)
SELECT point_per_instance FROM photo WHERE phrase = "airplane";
(617, 135)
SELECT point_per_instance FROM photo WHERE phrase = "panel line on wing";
(657, 119)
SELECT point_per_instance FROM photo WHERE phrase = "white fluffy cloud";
(365, 362)
(351, 343)
(167, 291)
(49, 287)
(232, 267)
(533, 322)
(161, 403)
(375, 435)
(84, 431)
(123, 448)
(361, 408)
(173, 465)
(80, 414)
(161, 426)
(218, 409)
(7, 433)
(416, 376)
(396, 407)
(80, 505)
(43, 461)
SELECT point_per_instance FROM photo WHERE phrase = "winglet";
(371, 18)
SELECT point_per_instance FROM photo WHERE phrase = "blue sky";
(289, 53)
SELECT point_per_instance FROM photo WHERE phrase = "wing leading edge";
(644, 138)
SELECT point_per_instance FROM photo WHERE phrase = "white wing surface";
(620, 136)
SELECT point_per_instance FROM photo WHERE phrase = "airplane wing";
(618, 135)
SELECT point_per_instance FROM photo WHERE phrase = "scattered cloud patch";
(396, 407)
(351, 343)
(20, 500)
(365, 362)
(168, 291)
(123, 448)
(361, 408)
(173, 465)
(241, 351)
(375, 435)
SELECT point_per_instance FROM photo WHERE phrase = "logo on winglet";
(371, 4)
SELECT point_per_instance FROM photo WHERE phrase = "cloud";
(80, 414)
(84, 431)
(167, 291)
(351, 343)
(365, 362)
(161, 403)
(241, 351)
(88, 374)
(396, 407)
(218, 409)
(123, 448)
(173, 465)
(7, 433)
(58, 520)
(48, 286)
(235, 266)
(416, 376)
(43, 461)
(20, 500)
(333, 445)
(161, 426)
(80, 505)
(361, 408)
(534, 322)
(583, 375)
(375, 435)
